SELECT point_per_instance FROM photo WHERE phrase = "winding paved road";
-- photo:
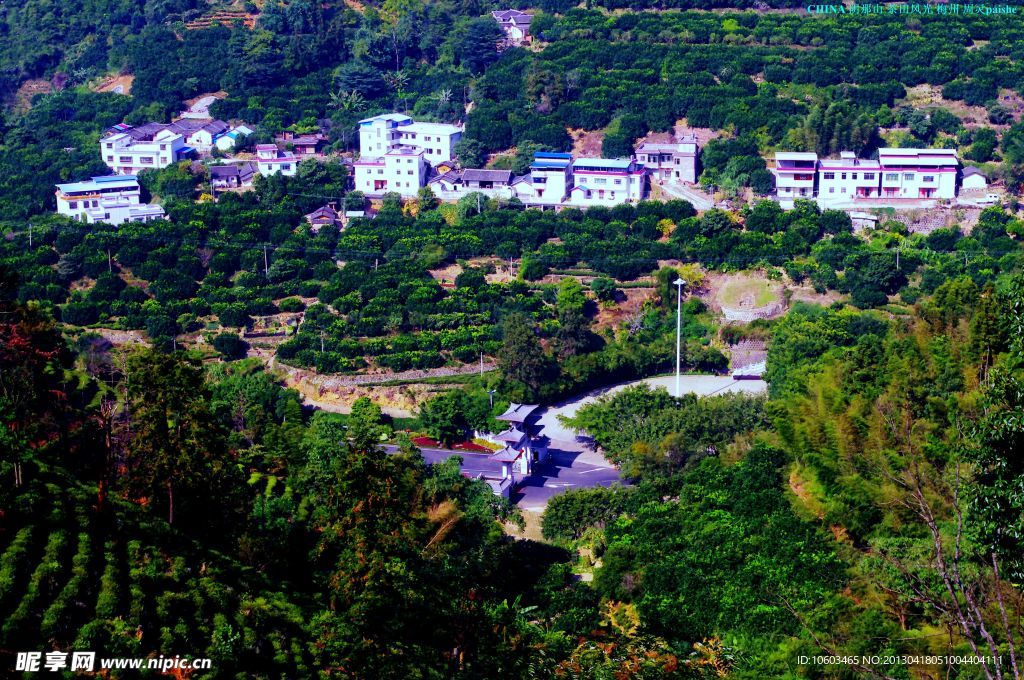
(574, 461)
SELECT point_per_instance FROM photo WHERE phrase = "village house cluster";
(397, 154)
(907, 177)
(127, 150)
(400, 155)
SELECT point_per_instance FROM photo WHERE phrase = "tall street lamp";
(679, 283)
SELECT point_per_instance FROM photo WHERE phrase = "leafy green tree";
(177, 456)
(444, 417)
(522, 357)
(229, 345)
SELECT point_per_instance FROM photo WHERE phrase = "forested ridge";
(171, 496)
(757, 529)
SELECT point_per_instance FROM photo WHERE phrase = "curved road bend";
(574, 461)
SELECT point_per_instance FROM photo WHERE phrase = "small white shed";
(974, 179)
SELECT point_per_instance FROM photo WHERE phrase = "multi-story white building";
(670, 161)
(847, 178)
(402, 170)
(908, 174)
(131, 150)
(380, 134)
(113, 199)
(603, 181)
(918, 173)
(437, 140)
(794, 175)
(549, 181)
(271, 161)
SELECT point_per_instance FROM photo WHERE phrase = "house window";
(892, 177)
(843, 176)
(928, 178)
(146, 160)
(110, 158)
(125, 159)
(843, 190)
(73, 204)
(869, 175)
(907, 176)
(830, 175)
(286, 166)
(854, 176)
(163, 147)
(618, 181)
(831, 190)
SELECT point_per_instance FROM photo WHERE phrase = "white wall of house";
(378, 135)
(272, 161)
(381, 134)
(608, 182)
(608, 189)
(200, 140)
(126, 156)
(918, 173)
(437, 140)
(403, 171)
(670, 161)
(114, 200)
(918, 183)
(974, 182)
(794, 176)
(847, 179)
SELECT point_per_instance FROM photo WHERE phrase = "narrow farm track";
(328, 382)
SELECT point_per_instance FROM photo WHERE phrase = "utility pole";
(679, 283)
(481, 363)
(266, 268)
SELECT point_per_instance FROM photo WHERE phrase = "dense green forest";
(850, 512)
(175, 498)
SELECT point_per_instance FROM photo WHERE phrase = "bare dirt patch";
(28, 90)
(806, 293)
(399, 401)
(627, 306)
(925, 96)
(704, 135)
(118, 84)
(446, 275)
(586, 144)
